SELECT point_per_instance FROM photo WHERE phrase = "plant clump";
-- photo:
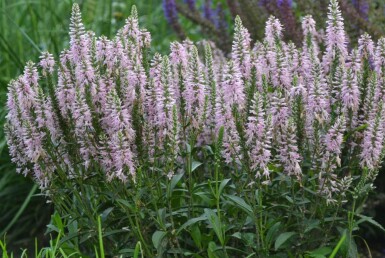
(271, 150)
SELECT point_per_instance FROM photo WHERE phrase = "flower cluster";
(284, 110)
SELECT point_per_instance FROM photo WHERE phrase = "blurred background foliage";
(214, 17)
(28, 27)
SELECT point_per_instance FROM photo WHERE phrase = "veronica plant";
(270, 151)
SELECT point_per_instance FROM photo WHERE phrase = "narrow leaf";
(240, 203)
(370, 220)
(191, 222)
(174, 181)
(214, 222)
(223, 184)
(195, 164)
(157, 238)
(282, 238)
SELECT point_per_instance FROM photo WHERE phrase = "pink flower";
(66, 88)
(194, 92)
(317, 104)
(258, 135)
(288, 151)
(83, 129)
(366, 46)
(231, 140)
(47, 62)
(241, 48)
(232, 87)
(310, 34)
(273, 30)
(373, 142)
(350, 92)
(336, 40)
(379, 60)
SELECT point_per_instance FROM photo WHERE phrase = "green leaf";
(191, 222)
(138, 248)
(240, 203)
(161, 217)
(370, 220)
(237, 235)
(311, 224)
(320, 252)
(211, 250)
(282, 238)
(249, 239)
(289, 199)
(205, 198)
(157, 238)
(195, 164)
(174, 181)
(349, 247)
(196, 235)
(215, 223)
(188, 148)
(106, 212)
(272, 232)
(125, 203)
(223, 184)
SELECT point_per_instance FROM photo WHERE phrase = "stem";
(189, 171)
(173, 227)
(136, 225)
(351, 220)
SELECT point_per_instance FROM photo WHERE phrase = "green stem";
(100, 238)
(351, 220)
(173, 227)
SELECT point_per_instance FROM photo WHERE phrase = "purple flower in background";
(190, 4)
(362, 7)
(284, 3)
(220, 21)
(169, 8)
(269, 5)
(287, 16)
(208, 12)
(215, 15)
(171, 13)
